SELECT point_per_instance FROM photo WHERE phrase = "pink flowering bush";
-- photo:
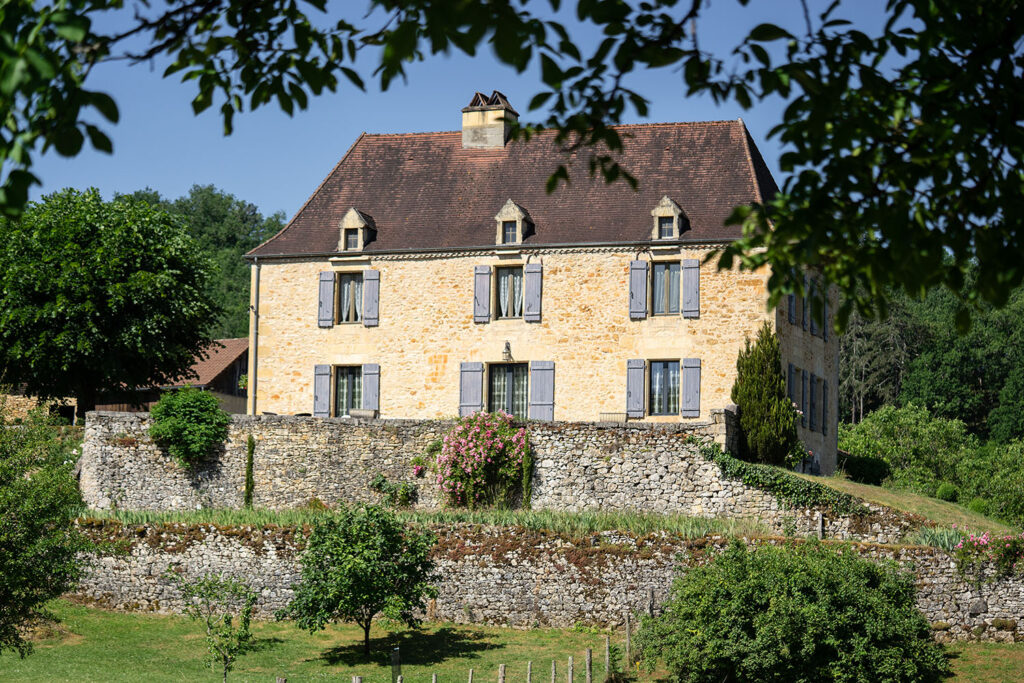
(485, 461)
(1004, 553)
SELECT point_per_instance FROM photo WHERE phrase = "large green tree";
(225, 228)
(903, 145)
(99, 296)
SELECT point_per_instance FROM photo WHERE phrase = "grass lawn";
(939, 511)
(97, 645)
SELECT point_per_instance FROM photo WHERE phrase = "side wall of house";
(426, 330)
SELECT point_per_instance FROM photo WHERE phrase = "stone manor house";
(432, 275)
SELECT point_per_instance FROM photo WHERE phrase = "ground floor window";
(664, 398)
(507, 389)
(348, 389)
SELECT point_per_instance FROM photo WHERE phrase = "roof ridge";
(648, 124)
(310, 197)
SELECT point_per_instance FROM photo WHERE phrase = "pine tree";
(768, 428)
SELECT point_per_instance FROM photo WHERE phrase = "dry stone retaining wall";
(578, 466)
(511, 577)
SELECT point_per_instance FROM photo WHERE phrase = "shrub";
(213, 600)
(802, 612)
(864, 469)
(767, 417)
(485, 460)
(980, 505)
(1005, 554)
(189, 424)
(947, 492)
(395, 495)
(359, 563)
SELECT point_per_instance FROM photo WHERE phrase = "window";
(351, 240)
(510, 292)
(508, 232)
(664, 398)
(507, 389)
(665, 299)
(348, 389)
(666, 229)
(350, 297)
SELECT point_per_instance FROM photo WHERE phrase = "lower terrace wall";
(578, 466)
(511, 577)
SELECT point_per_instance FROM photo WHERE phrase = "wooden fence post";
(501, 673)
(553, 672)
(529, 672)
(570, 670)
(629, 660)
(470, 676)
(607, 657)
(590, 665)
(433, 678)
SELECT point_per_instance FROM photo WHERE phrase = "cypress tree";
(767, 424)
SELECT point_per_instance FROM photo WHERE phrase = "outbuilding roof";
(424, 191)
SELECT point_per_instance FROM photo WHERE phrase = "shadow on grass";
(417, 648)
(263, 644)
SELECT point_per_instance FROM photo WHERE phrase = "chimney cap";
(497, 100)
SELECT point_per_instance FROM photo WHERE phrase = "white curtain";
(673, 388)
(503, 284)
(346, 301)
(656, 383)
(673, 288)
(520, 375)
(659, 288)
(357, 292)
(517, 293)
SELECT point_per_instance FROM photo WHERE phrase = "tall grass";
(937, 537)
(574, 524)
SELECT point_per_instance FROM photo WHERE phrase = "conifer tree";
(767, 424)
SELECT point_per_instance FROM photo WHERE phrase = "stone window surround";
(363, 225)
(512, 212)
(667, 208)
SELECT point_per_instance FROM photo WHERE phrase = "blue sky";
(277, 161)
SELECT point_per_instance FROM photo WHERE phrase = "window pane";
(350, 298)
(509, 232)
(517, 292)
(673, 288)
(665, 226)
(504, 283)
(351, 239)
(658, 298)
(356, 378)
(340, 392)
(498, 388)
(672, 389)
(520, 375)
(510, 292)
(657, 383)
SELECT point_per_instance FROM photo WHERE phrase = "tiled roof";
(218, 359)
(424, 191)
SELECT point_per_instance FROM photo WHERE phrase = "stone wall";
(511, 577)
(654, 468)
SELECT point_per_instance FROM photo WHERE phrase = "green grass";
(942, 513)
(574, 524)
(97, 645)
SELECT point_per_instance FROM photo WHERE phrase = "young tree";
(883, 131)
(359, 563)
(39, 543)
(99, 296)
(800, 612)
(767, 417)
(214, 600)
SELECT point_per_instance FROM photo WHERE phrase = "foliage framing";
(189, 423)
(767, 417)
(799, 612)
(361, 562)
(485, 460)
(39, 560)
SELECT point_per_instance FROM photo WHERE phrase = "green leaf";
(68, 141)
(98, 139)
(768, 32)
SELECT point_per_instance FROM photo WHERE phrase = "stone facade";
(645, 467)
(510, 577)
(426, 330)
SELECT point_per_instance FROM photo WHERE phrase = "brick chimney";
(486, 121)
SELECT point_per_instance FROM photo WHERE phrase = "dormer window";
(670, 222)
(357, 230)
(513, 224)
(508, 232)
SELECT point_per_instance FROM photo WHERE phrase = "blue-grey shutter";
(804, 308)
(371, 386)
(814, 402)
(542, 390)
(814, 320)
(790, 387)
(471, 388)
(691, 288)
(803, 398)
(791, 305)
(824, 407)
(691, 387)
(637, 290)
(482, 294)
(532, 288)
(325, 309)
(322, 391)
(635, 387)
(371, 297)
